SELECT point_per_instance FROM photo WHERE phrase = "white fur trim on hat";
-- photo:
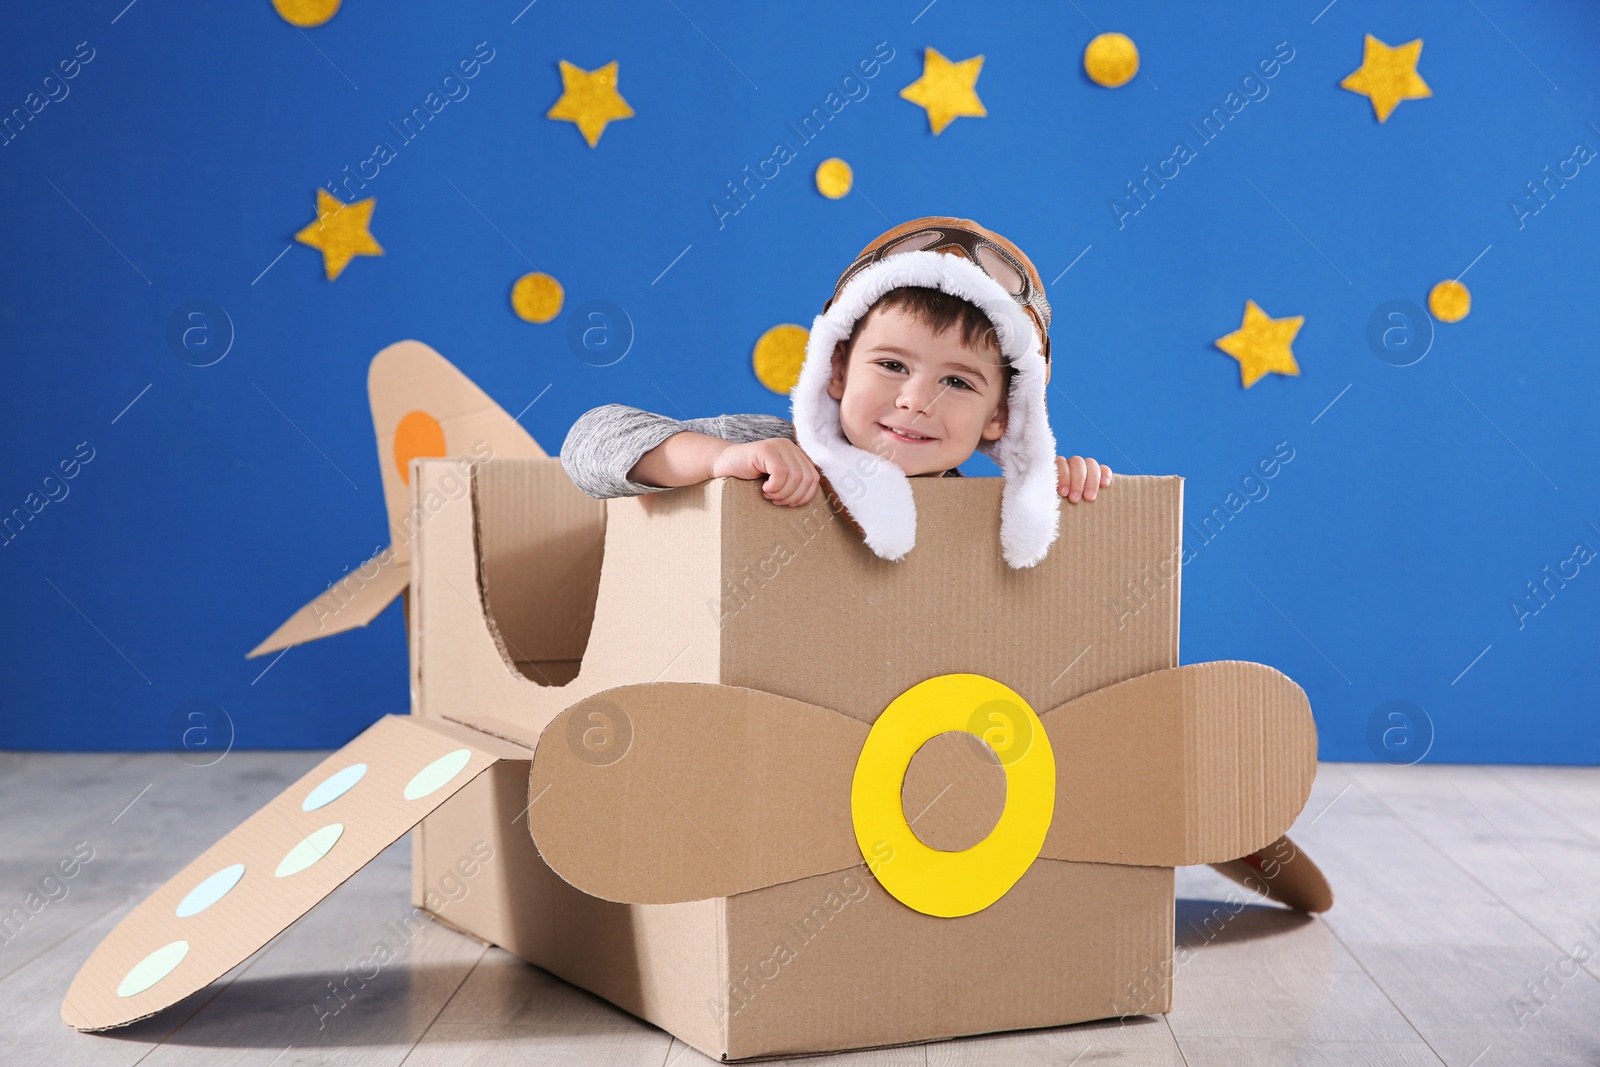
(875, 491)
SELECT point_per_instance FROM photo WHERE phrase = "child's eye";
(894, 366)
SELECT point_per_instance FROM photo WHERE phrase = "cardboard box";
(749, 782)
(530, 596)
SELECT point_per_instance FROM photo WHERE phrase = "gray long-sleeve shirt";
(607, 442)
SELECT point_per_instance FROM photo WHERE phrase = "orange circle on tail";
(418, 435)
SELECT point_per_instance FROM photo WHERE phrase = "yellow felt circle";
(834, 178)
(537, 297)
(925, 879)
(1111, 60)
(1449, 301)
(778, 356)
(306, 12)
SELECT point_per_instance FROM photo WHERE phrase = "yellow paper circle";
(306, 12)
(778, 356)
(1111, 60)
(834, 178)
(1449, 301)
(537, 297)
(922, 878)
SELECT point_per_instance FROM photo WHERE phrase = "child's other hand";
(792, 478)
(1079, 477)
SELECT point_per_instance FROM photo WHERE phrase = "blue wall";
(1379, 565)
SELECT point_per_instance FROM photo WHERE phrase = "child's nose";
(918, 395)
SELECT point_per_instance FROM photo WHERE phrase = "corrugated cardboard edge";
(462, 667)
(480, 585)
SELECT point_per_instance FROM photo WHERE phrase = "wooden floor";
(1460, 890)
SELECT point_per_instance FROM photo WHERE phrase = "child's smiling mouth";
(907, 436)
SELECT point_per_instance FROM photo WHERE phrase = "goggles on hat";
(995, 261)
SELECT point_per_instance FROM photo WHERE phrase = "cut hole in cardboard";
(954, 792)
(538, 576)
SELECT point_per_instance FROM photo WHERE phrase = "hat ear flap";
(870, 489)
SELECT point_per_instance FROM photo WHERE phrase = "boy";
(935, 344)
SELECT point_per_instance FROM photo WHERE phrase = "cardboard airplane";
(728, 778)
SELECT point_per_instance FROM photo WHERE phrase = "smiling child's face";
(922, 400)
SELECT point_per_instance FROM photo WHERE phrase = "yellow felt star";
(1261, 344)
(590, 99)
(340, 232)
(1388, 76)
(946, 90)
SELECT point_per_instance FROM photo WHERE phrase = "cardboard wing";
(422, 406)
(277, 865)
(718, 790)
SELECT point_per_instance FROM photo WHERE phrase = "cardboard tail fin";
(422, 407)
(276, 866)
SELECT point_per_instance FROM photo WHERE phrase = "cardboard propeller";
(705, 791)
(422, 406)
(678, 791)
(276, 866)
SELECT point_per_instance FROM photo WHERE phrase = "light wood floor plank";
(311, 992)
(1568, 794)
(1443, 948)
(508, 1012)
(1543, 869)
(1456, 887)
(1142, 1040)
(135, 849)
(1285, 1052)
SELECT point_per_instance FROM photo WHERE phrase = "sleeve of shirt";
(607, 442)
